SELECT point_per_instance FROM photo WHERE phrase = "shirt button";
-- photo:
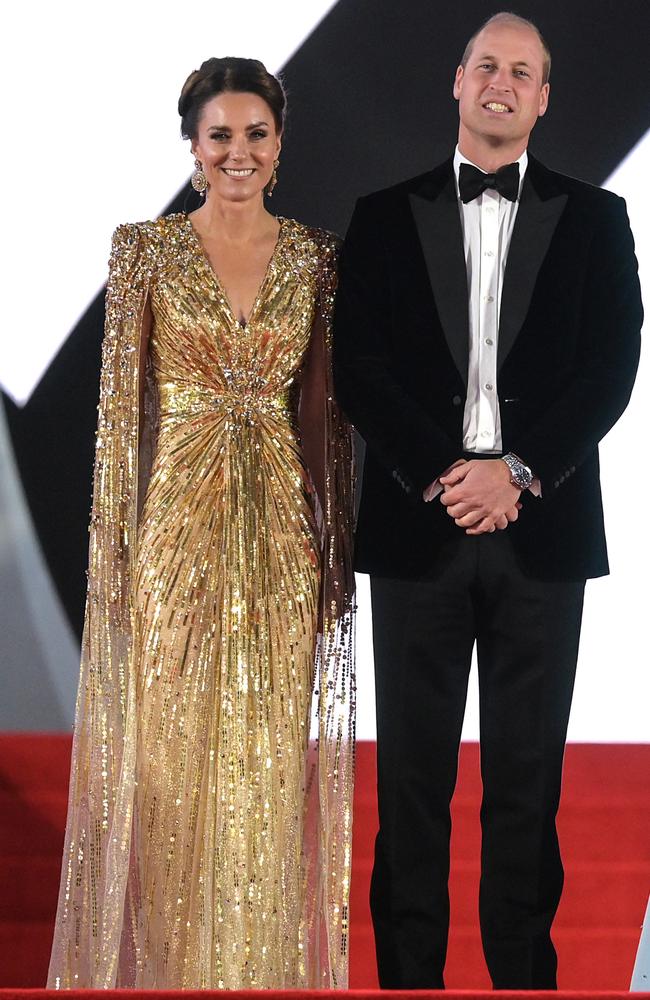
(485, 434)
(489, 210)
(489, 298)
(489, 386)
(456, 400)
(489, 253)
(489, 341)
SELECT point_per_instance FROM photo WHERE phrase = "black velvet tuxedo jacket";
(568, 349)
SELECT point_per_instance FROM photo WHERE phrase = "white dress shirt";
(487, 223)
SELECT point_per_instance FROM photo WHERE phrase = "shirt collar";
(459, 158)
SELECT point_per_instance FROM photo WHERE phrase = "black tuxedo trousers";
(526, 633)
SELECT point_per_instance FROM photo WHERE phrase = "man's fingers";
(454, 494)
(453, 498)
(463, 510)
(484, 526)
(471, 519)
(455, 475)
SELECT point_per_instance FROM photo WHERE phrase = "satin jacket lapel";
(435, 210)
(539, 212)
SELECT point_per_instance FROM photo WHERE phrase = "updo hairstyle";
(240, 76)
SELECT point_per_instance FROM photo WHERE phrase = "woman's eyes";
(225, 136)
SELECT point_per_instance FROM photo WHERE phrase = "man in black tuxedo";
(486, 339)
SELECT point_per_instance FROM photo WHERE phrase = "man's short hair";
(507, 17)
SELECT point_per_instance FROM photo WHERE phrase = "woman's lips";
(232, 172)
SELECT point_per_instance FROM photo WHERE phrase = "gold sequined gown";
(208, 840)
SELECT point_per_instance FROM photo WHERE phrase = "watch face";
(520, 473)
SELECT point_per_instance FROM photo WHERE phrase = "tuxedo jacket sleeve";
(593, 387)
(569, 338)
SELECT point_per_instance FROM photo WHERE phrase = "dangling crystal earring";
(274, 178)
(198, 180)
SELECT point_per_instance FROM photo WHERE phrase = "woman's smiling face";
(237, 144)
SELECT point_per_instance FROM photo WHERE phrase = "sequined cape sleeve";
(331, 758)
(89, 920)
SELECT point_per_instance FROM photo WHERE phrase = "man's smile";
(498, 107)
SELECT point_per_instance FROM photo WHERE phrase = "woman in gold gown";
(209, 818)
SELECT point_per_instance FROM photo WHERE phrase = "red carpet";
(319, 995)
(604, 828)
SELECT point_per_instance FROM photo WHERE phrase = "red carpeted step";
(31, 891)
(25, 952)
(603, 824)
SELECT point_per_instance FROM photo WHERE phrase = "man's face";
(499, 92)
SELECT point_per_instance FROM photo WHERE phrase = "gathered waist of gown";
(243, 399)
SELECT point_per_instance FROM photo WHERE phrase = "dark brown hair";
(241, 76)
(507, 17)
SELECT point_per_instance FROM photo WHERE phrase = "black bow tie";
(472, 182)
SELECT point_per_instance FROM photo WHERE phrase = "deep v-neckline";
(221, 288)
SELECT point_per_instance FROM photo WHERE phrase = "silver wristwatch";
(520, 474)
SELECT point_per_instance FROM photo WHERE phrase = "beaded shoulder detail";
(141, 250)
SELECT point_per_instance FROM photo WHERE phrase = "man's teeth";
(493, 106)
(238, 173)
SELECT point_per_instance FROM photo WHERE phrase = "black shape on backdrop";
(370, 95)
(370, 103)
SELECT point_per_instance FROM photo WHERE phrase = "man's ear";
(458, 82)
(543, 99)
